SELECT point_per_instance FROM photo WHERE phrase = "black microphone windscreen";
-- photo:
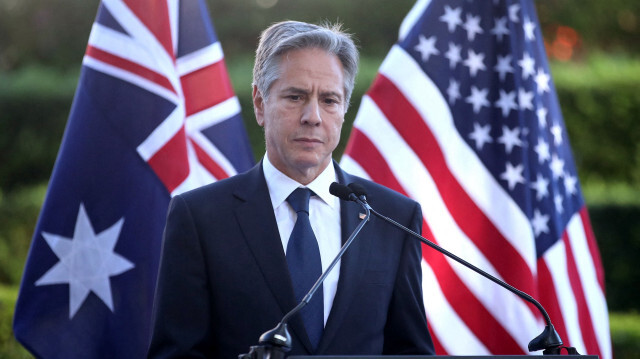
(357, 189)
(339, 190)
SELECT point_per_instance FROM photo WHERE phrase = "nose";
(311, 114)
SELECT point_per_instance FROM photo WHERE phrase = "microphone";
(341, 191)
(549, 340)
(275, 343)
(358, 190)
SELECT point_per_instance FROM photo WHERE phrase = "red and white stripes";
(412, 146)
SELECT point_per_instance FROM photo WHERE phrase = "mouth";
(307, 140)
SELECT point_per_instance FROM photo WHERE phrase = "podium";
(444, 357)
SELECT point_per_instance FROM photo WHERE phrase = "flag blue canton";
(503, 102)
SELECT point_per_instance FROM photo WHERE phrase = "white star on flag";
(481, 135)
(528, 66)
(529, 30)
(503, 66)
(510, 138)
(525, 99)
(500, 28)
(472, 25)
(541, 186)
(541, 112)
(451, 17)
(513, 175)
(570, 183)
(557, 134)
(475, 62)
(557, 166)
(557, 201)
(86, 261)
(427, 47)
(542, 80)
(513, 12)
(453, 54)
(478, 98)
(540, 222)
(542, 149)
(507, 102)
(453, 91)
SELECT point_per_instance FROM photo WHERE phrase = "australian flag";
(154, 114)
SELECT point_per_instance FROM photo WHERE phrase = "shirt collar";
(280, 185)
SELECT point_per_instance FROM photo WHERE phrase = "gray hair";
(285, 36)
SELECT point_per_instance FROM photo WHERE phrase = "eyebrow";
(299, 90)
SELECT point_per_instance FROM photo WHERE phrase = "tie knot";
(299, 200)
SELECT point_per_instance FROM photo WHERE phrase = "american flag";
(154, 115)
(463, 118)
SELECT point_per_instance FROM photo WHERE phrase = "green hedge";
(625, 335)
(9, 347)
(34, 105)
(617, 230)
(600, 101)
(18, 214)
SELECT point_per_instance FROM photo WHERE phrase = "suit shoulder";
(220, 189)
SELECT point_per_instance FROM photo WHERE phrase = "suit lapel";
(258, 223)
(351, 265)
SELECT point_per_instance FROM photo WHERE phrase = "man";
(232, 262)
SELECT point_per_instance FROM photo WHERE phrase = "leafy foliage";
(600, 100)
(18, 213)
(625, 334)
(34, 105)
(9, 347)
(617, 231)
(54, 32)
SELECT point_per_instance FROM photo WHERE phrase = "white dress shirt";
(324, 215)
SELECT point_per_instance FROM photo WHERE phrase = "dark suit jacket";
(224, 280)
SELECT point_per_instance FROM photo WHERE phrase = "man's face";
(303, 115)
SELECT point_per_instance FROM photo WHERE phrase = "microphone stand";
(275, 343)
(549, 340)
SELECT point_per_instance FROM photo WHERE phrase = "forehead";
(311, 68)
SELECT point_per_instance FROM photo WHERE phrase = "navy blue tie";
(305, 267)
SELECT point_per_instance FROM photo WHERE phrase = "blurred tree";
(609, 26)
(55, 32)
(51, 32)
(374, 22)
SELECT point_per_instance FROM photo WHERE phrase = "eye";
(294, 97)
(331, 101)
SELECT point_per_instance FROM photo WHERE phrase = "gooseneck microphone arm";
(548, 340)
(275, 343)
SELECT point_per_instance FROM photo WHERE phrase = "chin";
(308, 162)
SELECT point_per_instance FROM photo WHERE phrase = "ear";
(258, 106)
